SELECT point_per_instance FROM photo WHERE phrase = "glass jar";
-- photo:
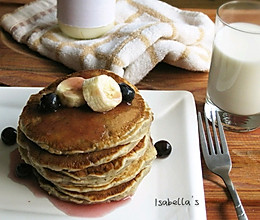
(85, 19)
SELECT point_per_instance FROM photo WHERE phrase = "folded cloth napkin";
(146, 32)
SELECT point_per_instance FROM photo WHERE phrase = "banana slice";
(70, 92)
(102, 93)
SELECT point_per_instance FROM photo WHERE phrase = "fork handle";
(241, 214)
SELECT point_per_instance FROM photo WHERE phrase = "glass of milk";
(234, 77)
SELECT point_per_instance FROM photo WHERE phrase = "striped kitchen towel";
(146, 32)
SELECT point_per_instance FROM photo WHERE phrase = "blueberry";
(8, 136)
(50, 102)
(128, 93)
(23, 170)
(163, 148)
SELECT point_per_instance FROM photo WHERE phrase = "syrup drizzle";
(71, 209)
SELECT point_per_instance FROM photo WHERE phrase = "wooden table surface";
(19, 66)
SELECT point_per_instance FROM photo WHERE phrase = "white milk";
(84, 19)
(234, 80)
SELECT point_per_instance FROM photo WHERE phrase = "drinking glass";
(234, 78)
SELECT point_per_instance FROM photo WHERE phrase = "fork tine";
(222, 135)
(217, 146)
(203, 140)
(211, 145)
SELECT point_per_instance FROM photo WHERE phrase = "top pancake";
(81, 130)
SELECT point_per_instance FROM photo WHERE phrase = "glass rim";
(228, 24)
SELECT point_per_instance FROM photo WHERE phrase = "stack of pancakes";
(83, 156)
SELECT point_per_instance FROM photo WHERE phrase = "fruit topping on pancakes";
(102, 93)
(128, 93)
(50, 102)
(70, 92)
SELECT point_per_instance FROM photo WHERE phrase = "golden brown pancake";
(96, 173)
(81, 130)
(83, 156)
(128, 173)
(112, 194)
(121, 169)
(71, 162)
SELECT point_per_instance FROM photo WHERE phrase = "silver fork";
(218, 159)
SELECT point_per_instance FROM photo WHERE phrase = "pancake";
(129, 173)
(83, 156)
(113, 167)
(81, 130)
(93, 175)
(120, 174)
(72, 162)
(116, 193)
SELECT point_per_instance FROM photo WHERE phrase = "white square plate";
(172, 190)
